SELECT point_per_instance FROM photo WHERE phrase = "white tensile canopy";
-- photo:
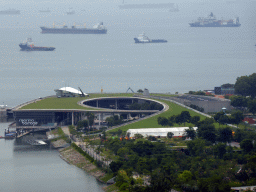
(162, 132)
(71, 90)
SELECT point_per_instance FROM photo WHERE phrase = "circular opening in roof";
(124, 103)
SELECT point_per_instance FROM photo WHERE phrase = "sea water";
(193, 58)
(25, 167)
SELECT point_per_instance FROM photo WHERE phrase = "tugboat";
(211, 21)
(29, 46)
(144, 39)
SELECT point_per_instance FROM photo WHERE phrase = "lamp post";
(224, 110)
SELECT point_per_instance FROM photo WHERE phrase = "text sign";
(28, 122)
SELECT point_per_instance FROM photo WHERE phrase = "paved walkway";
(65, 129)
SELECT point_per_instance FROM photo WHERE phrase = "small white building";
(68, 92)
(146, 92)
(156, 132)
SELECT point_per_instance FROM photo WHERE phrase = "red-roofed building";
(249, 120)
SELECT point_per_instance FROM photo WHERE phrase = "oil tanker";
(211, 21)
(29, 46)
(97, 29)
(144, 39)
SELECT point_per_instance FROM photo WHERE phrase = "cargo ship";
(97, 29)
(144, 39)
(10, 12)
(29, 46)
(211, 21)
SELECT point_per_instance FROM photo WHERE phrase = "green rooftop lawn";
(174, 109)
(69, 102)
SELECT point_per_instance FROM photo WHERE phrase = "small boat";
(70, 12)
(144, 39)
(29, 46)
(36, 142)
(9, 136)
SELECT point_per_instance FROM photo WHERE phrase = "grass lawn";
(111, 188)
(107, 177)
(174, 109)
(69, 102)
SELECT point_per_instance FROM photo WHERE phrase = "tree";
(171, 121)
(185, 117)
(138, 136)
(225, 135)
(224, 119)
(238, 101)
(190, 132)
(195, 119)
(104, 137)
(121, 178)
(196, 147)
(218, 115)
(236, 117)
(122, 152)
(115, 165)
(160, 181)
(178, 119)
(114, 120)
(163, 121)
(82, 124)
(220, 150)
(185, 176)
(206, 121)
(207, 132)
(246, 145)
(90, 117)
(140, 91)
(246, 85)
(119, 132)
(252, 106)
(110, 121)
(170, 135)
(214, 183)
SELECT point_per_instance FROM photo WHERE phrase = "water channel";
(25, 167)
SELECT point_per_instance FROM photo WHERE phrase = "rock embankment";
(59, 143)
(75, 158)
